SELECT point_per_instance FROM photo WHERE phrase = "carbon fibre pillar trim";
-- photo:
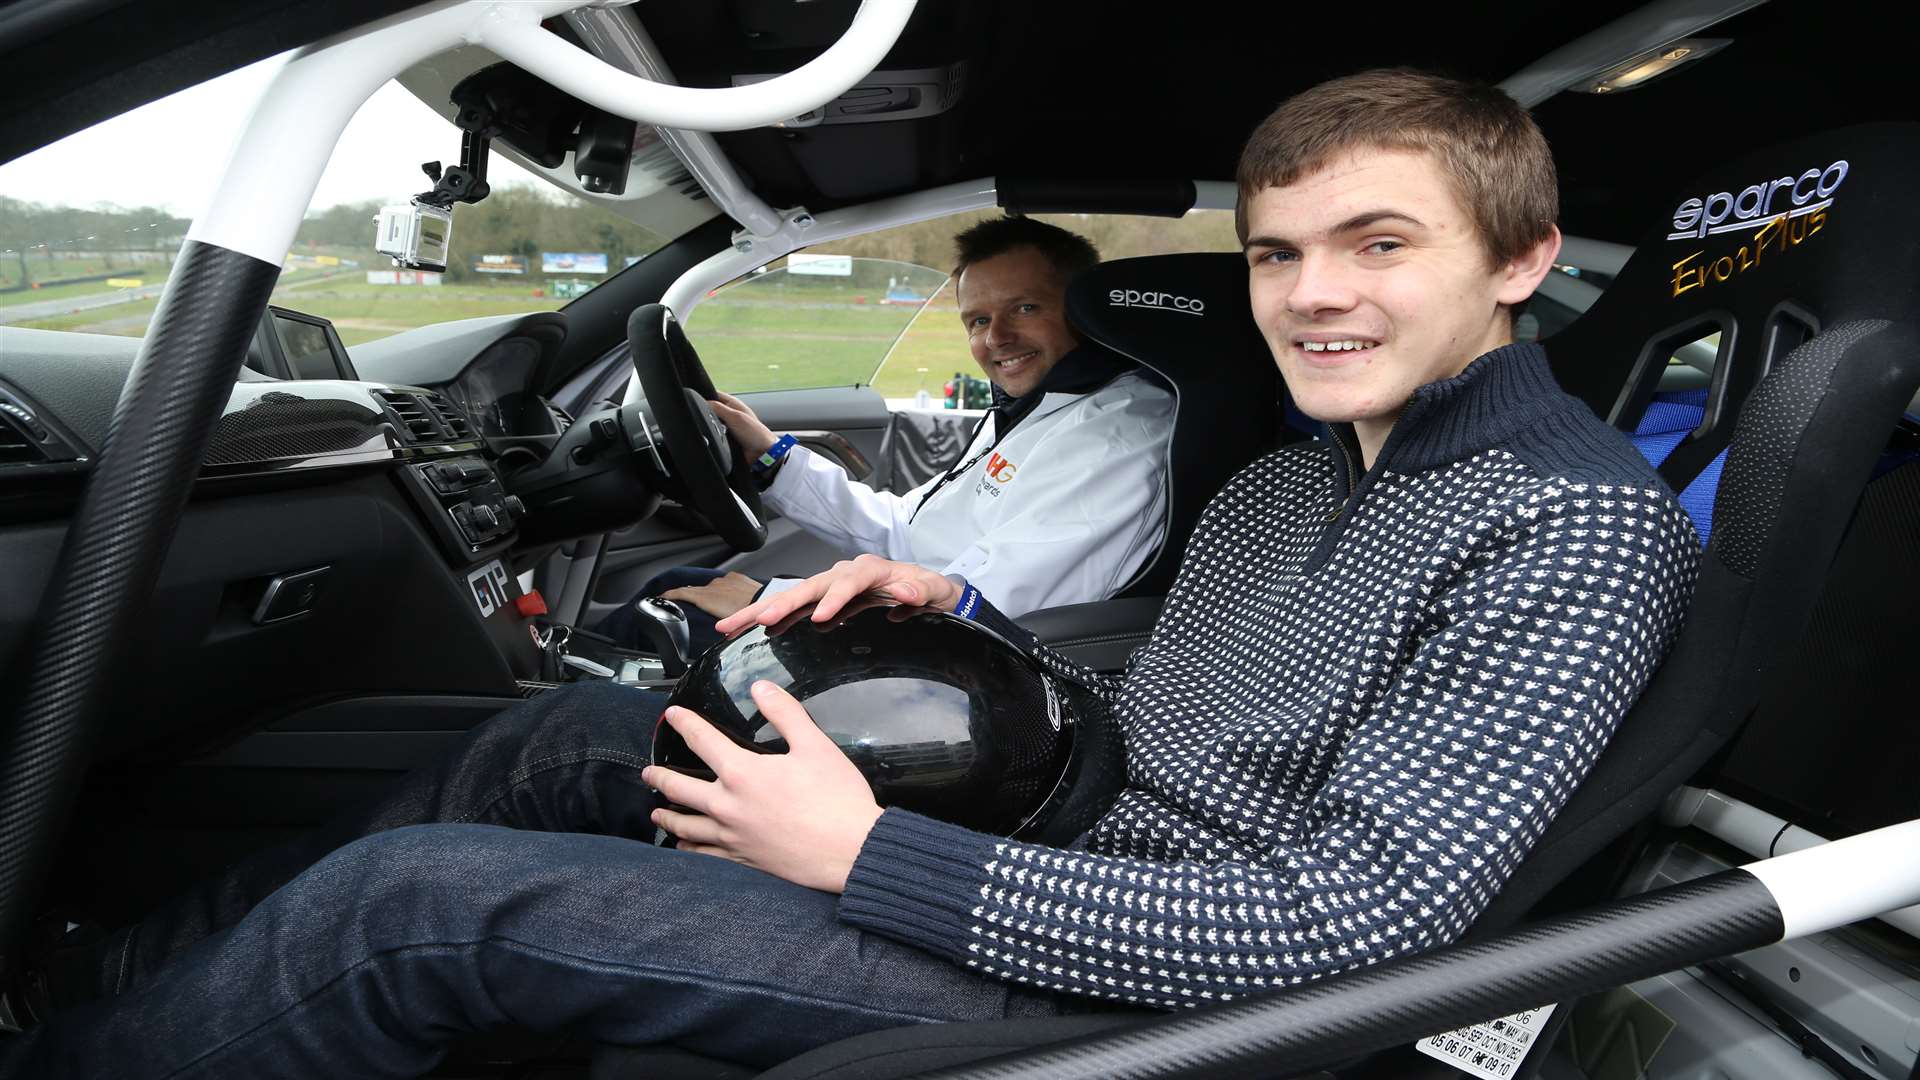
(113, 551)
(1344, 1016)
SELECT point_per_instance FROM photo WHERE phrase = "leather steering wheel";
(703, 459)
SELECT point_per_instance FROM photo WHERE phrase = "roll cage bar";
(277, 164)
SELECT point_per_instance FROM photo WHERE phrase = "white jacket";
(1065, 510)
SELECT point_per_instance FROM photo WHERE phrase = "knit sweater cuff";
(918, 881)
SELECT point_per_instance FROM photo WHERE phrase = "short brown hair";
(1068, 252)
(1494, 156)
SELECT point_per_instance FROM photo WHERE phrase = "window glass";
(86, 242)
(811, 320)
(879, 309)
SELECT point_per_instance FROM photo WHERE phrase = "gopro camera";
(414, 235)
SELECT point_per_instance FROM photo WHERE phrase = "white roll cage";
(280, 155)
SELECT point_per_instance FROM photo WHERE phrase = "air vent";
(561, 421)
(450, 416)
(16, 448)
(414, 418)
(26, 439)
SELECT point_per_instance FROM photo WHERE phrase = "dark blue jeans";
(526, 901)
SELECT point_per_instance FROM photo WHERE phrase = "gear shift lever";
(664, 626)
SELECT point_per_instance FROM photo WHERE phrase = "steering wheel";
(704, 459)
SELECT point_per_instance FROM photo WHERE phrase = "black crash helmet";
(943, 716)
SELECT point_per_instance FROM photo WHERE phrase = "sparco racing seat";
(1186, 319)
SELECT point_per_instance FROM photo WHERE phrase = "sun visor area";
(903, 127)
(1150, 198)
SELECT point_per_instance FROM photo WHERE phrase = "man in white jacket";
(1059, 496)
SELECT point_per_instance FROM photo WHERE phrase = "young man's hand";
(753, 436)
(801, 815)
(905, 583)
(720, 597)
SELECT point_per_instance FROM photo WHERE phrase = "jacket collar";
(1082, 371)
(1499, 395)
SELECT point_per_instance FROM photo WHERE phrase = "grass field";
(805, 335)
(126, 320)
(43, 269)
(928, 354)
(362, 312)
(151, 275)
(770, 339)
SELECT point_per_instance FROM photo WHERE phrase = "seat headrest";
(1176, 314)
(1186, 318)
(1768, 248)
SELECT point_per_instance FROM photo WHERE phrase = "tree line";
(43, 243)
(47, 243)
(930, 243)
(516, 219)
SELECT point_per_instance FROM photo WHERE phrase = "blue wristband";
(969, 601)
(775, 454)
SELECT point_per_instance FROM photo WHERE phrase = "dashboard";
(488, 367)
(301, 401)
(346, 534)
(304, 407)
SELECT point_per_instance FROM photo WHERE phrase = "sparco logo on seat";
(1159, 301)
(1756, 204)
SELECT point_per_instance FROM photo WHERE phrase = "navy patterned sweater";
(1364, 700)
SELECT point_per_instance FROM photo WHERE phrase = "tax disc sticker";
(1493, 1050)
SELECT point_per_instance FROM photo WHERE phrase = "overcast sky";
(169, 153)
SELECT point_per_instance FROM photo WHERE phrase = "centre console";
(474, 521)
(471, 515)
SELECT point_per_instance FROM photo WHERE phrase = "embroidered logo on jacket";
(995, 472)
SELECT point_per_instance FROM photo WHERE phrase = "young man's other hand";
(801, 815)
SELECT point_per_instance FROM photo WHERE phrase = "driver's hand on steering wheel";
(905, 583)
(720, 597)
(753, 436)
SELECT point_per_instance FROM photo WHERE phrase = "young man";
(1059, 496)
(1389, 659)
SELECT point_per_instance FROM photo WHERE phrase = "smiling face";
(1014, 308)
(1369, 280)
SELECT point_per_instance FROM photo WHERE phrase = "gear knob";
(666, 630)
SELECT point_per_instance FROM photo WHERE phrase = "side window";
(872, 310)
(816, 320)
